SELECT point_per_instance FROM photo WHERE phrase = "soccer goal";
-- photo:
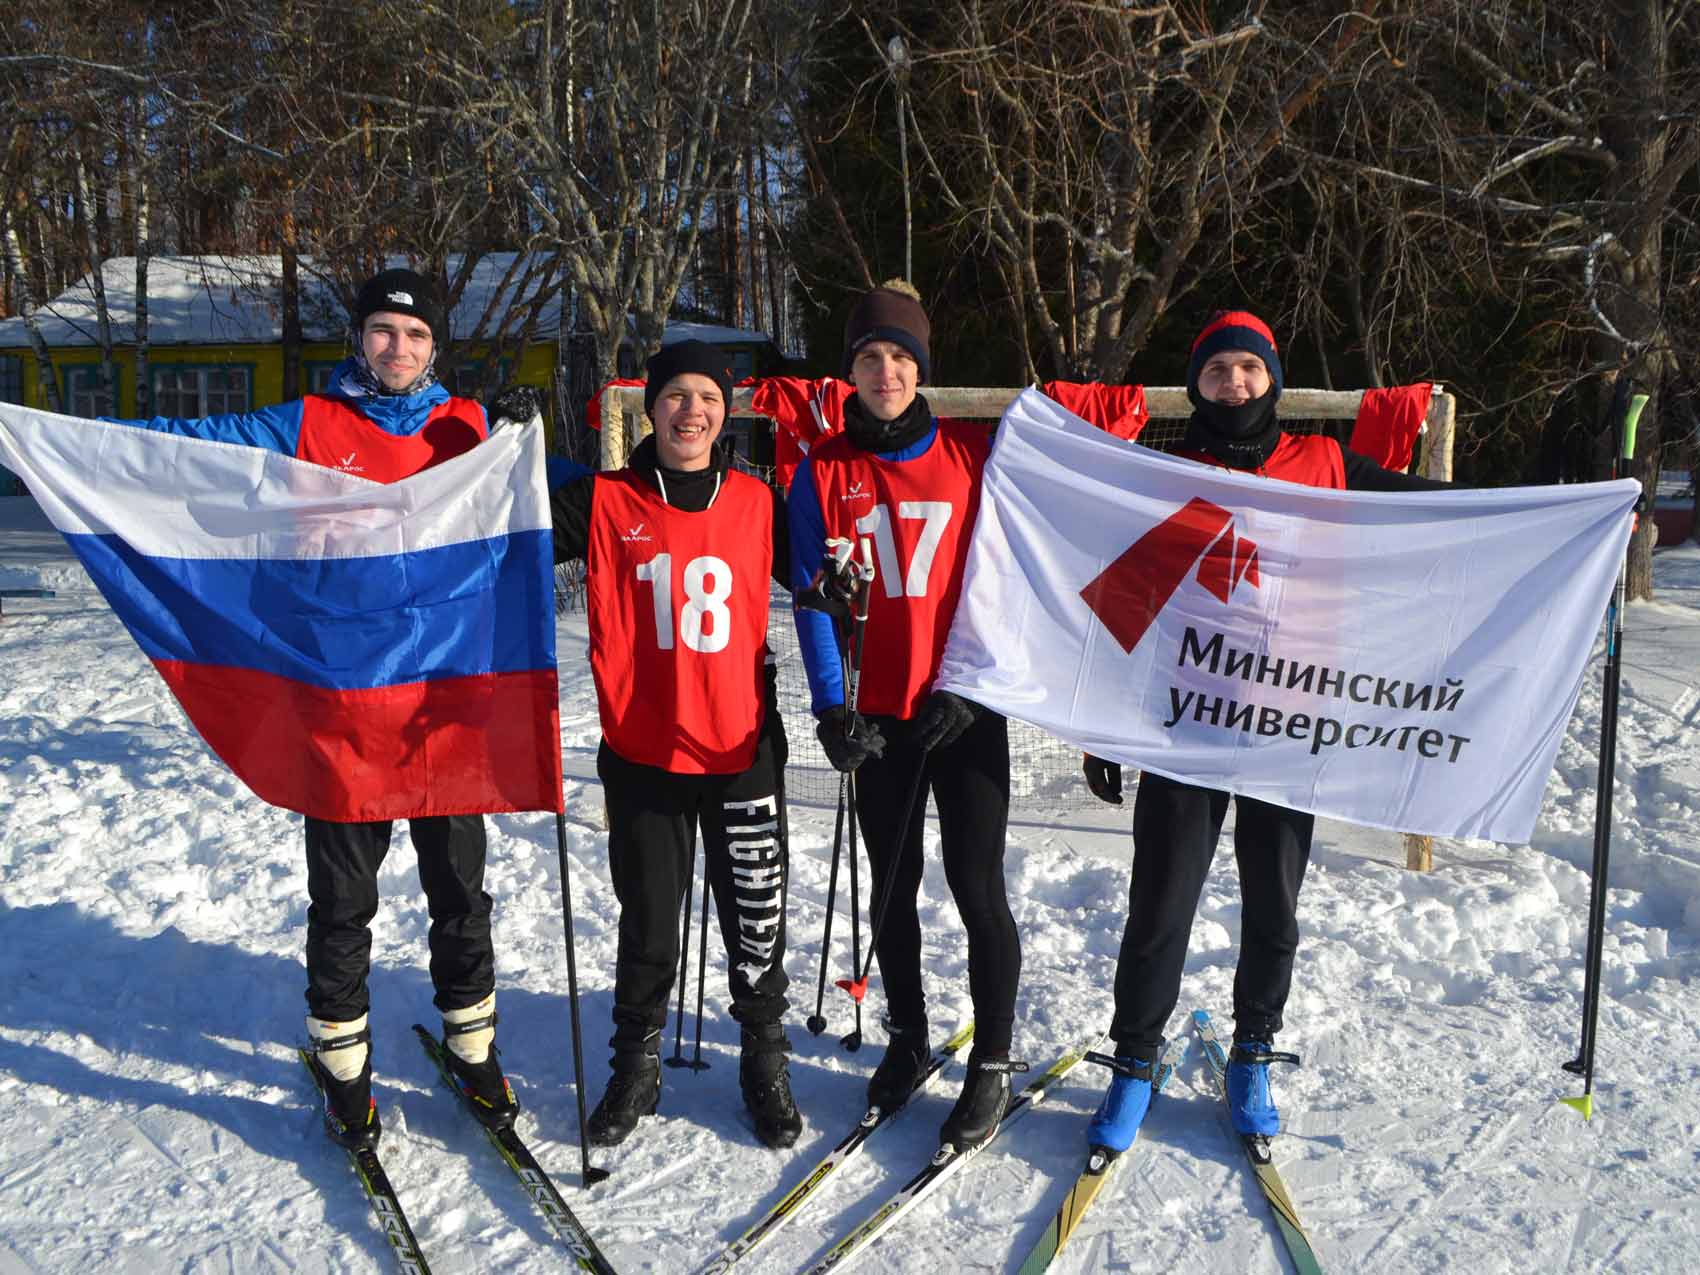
(1045, 773)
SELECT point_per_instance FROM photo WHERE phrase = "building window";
(319, 377)
(11, 379)
(200, 391)
(85, 392)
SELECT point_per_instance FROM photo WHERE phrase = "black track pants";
(342, 881)
(1175, 830)
(969, 782)
(653, 817)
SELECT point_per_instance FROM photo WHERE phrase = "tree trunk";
(292, 387)
(144, 250)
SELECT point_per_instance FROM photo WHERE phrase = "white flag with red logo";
(1403, 660)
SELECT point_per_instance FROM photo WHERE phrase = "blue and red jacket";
(380, 437)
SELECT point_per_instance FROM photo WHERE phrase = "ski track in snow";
(156, 1118)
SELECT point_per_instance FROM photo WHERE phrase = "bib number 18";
(705, 621)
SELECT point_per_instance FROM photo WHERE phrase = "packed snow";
(156, 1118)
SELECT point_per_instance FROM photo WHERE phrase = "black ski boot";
(766, 1082)
(482, 1084)
(634, 1091)
(905, 1062)
(351, 1113)
(984, 1099)
(485, 1089)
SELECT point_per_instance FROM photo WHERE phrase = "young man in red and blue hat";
(1234, 381)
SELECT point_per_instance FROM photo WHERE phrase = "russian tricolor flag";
(352, 650)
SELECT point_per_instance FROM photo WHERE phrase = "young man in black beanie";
(1234, 380)
(679, 548)
(910, 484)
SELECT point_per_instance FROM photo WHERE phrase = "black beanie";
(682, 357)
(886, 314)
(402, 291)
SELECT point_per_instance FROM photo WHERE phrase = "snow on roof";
(213, 300)
(713, 333)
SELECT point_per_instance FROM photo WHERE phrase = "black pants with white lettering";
(1175, 830)
(653, 817)
(969, 782)
(342, 883)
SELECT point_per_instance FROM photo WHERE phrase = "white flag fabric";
(1402, 660)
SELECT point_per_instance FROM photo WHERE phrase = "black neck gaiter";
(1241, 436)
(870, 434)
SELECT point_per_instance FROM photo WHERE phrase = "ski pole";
(858, 986)
(696, 1063)
(590, 1176)
(859, 619)
(853, 1041)
(816, 1021)
(1627, 411)
(678, 1058)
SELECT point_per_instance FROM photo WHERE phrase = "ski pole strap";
(331, 1044)
(1133, 1068)
(468, 1027)
(1241, 1054)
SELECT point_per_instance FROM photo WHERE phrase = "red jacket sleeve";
(593, 409)
(1388, 423)
(1115, 409)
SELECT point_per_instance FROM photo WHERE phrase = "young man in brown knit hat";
(909, 483)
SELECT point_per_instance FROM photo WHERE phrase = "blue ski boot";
(1116, 1123)
(1250, 1105)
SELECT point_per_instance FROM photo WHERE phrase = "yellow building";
(215, 341)
(215, 337)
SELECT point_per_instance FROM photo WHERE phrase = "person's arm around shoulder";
(1363, 474)
(569, 512)
(276, 429)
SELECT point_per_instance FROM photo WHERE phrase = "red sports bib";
(678, 622)
(336, 435)
(917, 516)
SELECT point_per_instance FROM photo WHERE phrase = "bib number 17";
(934, 517)
(705, 621)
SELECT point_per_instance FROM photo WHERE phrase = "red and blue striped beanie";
(1234, 330)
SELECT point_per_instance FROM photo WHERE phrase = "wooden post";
(613, 442)
(1436, 462)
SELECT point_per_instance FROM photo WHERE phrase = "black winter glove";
(514, 405)
(942, 719)
(838, 582)
(1104, 778)
(848, 748)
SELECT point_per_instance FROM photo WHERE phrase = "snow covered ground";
(156, 1119)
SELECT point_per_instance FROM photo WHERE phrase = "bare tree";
(1514, 182)
(1109, 156)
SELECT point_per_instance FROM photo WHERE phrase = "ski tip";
(857, 987)
(1584, 1104)
(1200, 1018)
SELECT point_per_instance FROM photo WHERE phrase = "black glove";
(848, 748)
(514, 405)
(1104, 778)
(837, 582)
(942, 719)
